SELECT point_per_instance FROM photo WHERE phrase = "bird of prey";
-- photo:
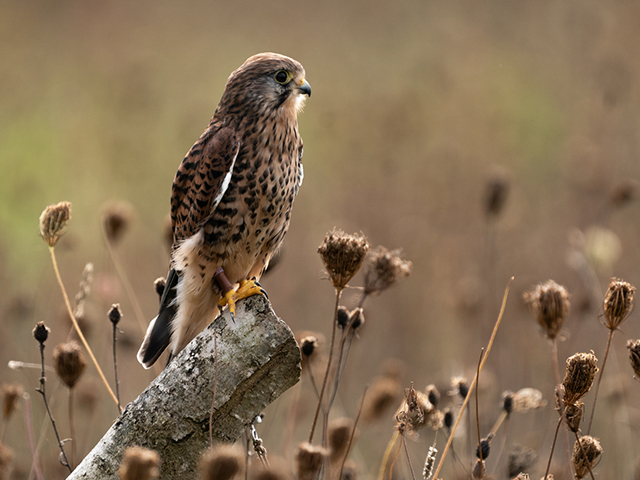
(231, 200)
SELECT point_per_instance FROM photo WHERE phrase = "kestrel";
(231, 200)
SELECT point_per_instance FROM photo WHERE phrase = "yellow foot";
(246, 289)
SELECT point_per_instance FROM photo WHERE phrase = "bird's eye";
(282, 77)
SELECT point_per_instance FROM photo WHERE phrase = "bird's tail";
(158, 333)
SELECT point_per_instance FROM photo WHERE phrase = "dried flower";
(527, 399)
(496, 192)
(139, 463)
(618, 303)
(433, 395)
(549, 303)
(520, 459)
(507, 402)
(586, 455)
(578, 377)
(41, 332)
(356, 318)
(448, 418)
(116, 217)
(222, 462)
(342, 255)
(308, 345)
(383, 393)
(634, 356)
(339, 433)
(10, 395)
(53, 222)
(383, 269)
(342, 316)
(309, 460)
(460, 387)
(416, 412)
(479, 470)
(523, 476)
(429, 463)
(573, 415)
(69, 362)
(115, 314)
(485, 443)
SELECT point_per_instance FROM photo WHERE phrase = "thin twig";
(473, 384)
(72, 429)
(29, 428)
(115, 365)
(387, 454)
(406, 451)
(77, 327)
(477, 406)
(604, 362)
(553, 445)
(353, 432)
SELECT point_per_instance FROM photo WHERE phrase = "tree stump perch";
(258, 360)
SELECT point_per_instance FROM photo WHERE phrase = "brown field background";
(415, 104)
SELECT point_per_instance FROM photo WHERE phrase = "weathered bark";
(258, 360)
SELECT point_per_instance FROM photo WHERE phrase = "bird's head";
(266, 83)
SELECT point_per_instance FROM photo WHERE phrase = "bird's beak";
(304, 88)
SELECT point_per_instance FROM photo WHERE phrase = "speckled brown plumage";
(232, 196)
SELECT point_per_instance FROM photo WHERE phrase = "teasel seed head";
(139, 463)
(222, 462)
(383, 268)
(159, 284)
(116, 217)
(10, 395)
(549, 304)
(115, 314)
(69, 362)
(587, 457)
(308, 345)
(634, 356)
(309, 460)
(342, 316)
(573, 415)
(618, 303)
(339, 433)
(53, 222)
(342, 255)
(41, 332)
(578, 377)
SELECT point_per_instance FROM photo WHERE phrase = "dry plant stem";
(387, 454)
(395, 457)
(477, 407)
(473, 384)
(406, 451)
(41, 390)
(556, 372)
(326, 373)
(312, 379)
(342, 360)
(72, 428)
(29, 428)
(125, 282)
(604, 362)
(215, 388)
(553, 445)
(353, 432)
(77, 327)
(115, 365)
(43, 430)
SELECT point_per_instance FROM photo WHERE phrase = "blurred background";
(419, 109)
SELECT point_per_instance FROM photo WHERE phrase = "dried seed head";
(6, 455)
(634, 356)
(527, 399)
(496, 192)
(573, 415)
(342, 255)
(41, 332)
(618, 303)
(159, 284)
(308, 345)
(309, 460)
(578, 377)
(549, 303)
(116, 217)
(10, 395)
(383, 269)
(339, 433)
(507, 402)
(624, 192)
(448, 418)
(383, 393)
(277, 469)
(485, 443)
(53, 222)
(342, 316)
(460, 387)
(479, 470)
(586, 455)
(433, 395)
(69, 362)
(429, 463)
(115, 314)
(356, 318)
(222, 462)
(523, 476)
(139, 463)
(520, 459)
(415, 412)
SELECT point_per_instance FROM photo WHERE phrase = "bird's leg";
(231, 296)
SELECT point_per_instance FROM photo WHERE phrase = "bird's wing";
(201, 180)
